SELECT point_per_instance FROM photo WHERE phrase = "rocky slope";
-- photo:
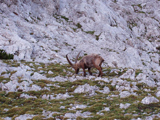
(32, 90)
(124, 32)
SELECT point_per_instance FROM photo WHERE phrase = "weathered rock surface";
(149, 100)
(123, 32)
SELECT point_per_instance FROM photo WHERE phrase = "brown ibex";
(88, 61)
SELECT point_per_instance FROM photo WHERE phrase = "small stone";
(124, 94)
(50, 72)
(149, 100)
(158, 94)
(106, 109)
(124, 106)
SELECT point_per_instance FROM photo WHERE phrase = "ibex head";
(87, 61)
(75, 66)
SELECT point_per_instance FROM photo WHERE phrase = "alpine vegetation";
(36, 80)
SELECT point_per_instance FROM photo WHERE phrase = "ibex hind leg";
(89, 70)
(100, 70)
(100, 73)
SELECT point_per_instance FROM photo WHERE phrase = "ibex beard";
(88, 61)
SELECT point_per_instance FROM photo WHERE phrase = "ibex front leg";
(84, 72)
(89, 70)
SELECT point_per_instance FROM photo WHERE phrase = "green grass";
(137, 72)
(119, 72)
(90, 32)
(4, 55)
(12, 105)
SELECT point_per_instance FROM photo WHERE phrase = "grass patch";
(94, 108)
(137, 72)
(38, 94)
(97, 36)
(141, 85)
(79, 25)
(12, 105)
(4, 80)
(65, 18)
(57, 70)
(118, 72)
(41, 83)
(90, 32)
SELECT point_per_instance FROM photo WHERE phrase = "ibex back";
(88, 61)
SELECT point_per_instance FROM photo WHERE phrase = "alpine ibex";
(88, 61)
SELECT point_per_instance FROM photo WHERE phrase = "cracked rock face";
(47, 31)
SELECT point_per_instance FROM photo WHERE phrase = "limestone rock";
(124, 106)
(149, 100)
(86, 89)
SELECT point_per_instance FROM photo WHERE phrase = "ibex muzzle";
(88, 61)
